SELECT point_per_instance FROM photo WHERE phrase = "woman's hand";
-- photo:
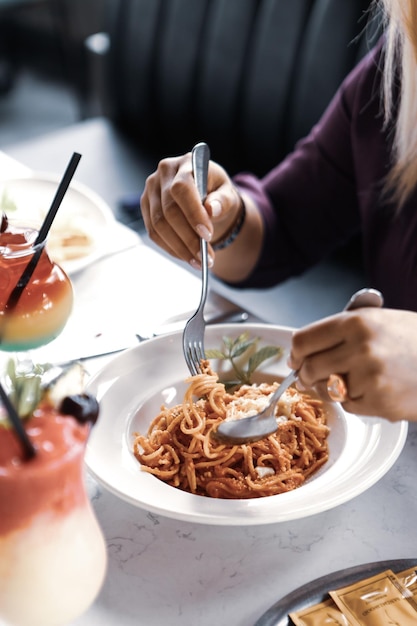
(376, 352)
(173, 214)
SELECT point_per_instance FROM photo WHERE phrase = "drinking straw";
(43, 232)
(59, 196)
(28, 446)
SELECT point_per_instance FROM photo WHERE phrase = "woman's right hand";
(173, 214)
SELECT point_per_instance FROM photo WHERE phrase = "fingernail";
(195, 264)
(216, 208)
(203, 231)
(299, 385)
(210, 260)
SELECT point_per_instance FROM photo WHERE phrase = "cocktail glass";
(52, 551)
(43, 306)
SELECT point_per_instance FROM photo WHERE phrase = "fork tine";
(193, 353)
(190, 361)
(197, 354)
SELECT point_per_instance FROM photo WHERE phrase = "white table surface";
(167, 572)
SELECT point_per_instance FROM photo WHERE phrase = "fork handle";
(200, 157)
(204, 271)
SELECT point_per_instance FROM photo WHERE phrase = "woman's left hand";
(375, 350)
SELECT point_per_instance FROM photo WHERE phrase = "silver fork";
(193, 335)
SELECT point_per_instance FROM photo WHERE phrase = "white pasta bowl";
(131, 389)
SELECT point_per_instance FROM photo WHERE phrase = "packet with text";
(380, 600)
(324, 613)
(408, 578)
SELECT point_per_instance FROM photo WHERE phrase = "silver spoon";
(258, 426)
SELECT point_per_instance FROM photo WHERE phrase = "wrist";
(233, 231)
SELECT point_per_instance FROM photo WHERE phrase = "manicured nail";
(195, 264)
(203, 231)
(299, 385)
(216, 208)
(210, 260)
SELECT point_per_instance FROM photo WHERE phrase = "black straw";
(59, 196)
(43, 233)
(28, 446)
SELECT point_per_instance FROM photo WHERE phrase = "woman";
(355, 173)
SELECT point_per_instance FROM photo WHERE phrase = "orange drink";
(45, 303)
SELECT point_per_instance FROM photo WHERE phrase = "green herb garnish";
(6, 203)
(244, 356)
(25, 382)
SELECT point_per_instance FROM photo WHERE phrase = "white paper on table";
(10, 168)
(131, 289)
(120, 296)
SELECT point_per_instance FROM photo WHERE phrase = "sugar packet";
(377, 601)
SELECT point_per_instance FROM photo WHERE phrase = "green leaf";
(267, 352)
(228, 342)
(216, 354)
(240, 349)
(6, 203)
(11, 370)
(235, 348)
(232, 343)
(229, 384)
(30, 396)
(25, 385)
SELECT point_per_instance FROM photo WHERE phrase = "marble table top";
(164, 571)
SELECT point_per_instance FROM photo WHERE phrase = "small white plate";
(131, 389)
(81, 207)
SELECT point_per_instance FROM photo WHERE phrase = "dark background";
(42, 70)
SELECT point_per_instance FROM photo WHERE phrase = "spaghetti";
(179, 449)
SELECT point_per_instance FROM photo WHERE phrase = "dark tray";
(317, 590)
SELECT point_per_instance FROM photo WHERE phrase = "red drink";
(52, 552)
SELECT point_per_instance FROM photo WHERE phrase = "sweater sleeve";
(309, 202)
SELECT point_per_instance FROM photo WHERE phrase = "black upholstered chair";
(248, 76)
(11, 11)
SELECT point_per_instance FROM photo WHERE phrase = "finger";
(330, 346)
(368, 391)
(316, 337)
(157, 239)
(183, 191)
(224, 199)
(173, 213)
(221, 198)
(367, 405)
(164, 218)
(319, 366)
(321, 390)
(357, 405)
(152, 215)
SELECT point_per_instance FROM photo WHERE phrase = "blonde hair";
(401, 65)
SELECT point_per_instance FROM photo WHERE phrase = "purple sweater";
(329, 188)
